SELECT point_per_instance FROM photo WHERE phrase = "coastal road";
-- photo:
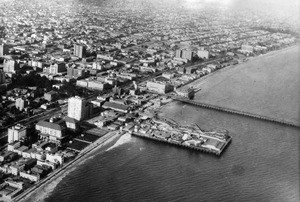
(57, 173)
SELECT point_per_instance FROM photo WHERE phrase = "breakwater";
(234, 111)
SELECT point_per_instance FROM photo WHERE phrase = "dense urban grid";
(73, 73)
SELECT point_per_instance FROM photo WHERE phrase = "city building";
(203, 54)
(93, 84)
(247, 48)
(21, 103)
(76, 72)
(184, 54)
(35, 63)
(55, 158)
(31, 176)
(78, 108)
(52, 130)
(4, 50)
(2, 77)
(10, 66)
(51, 96)
(79, 50)
(71, 123)
(116, 106)
(57, 68)
(16, 133)
(159, 87)
(186, 92)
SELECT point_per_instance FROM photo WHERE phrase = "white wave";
(45, 191)
(124, 139)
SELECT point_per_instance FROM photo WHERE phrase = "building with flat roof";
(10, 66)
(78, 108)
(4, 50)
(21, 103)
(52, 130)
(160, 87)
(116, 106)
(247, 48)
(51, 96)
(79, 50)
(16, 132)
(203, 54)
(57, 68)
(76, 72)
(2, 77)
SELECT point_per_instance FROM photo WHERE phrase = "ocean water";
(260, 164)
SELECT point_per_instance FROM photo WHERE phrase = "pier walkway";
(233, 111)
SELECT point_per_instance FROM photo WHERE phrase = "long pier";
(233, 111)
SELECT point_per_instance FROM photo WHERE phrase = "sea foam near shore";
(124, 139)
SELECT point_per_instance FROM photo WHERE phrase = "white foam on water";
(45, 191)
(124, 139)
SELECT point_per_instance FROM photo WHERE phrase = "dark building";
(4, 50)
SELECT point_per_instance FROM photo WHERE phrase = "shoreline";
(66, 169)
(213, 90)
(268, 54)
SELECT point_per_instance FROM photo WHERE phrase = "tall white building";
(16, 132)
(78, 108)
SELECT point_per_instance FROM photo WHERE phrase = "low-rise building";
(31, 176)
(51, 96)
(21, 103)
(55, 158)
(116, 106)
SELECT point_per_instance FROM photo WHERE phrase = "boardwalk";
(233, 111)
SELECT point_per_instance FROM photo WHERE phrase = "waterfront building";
(4, 50)
(159, 87)
(186, 92)
(55, 158)
(31, 176)
(78, 108)
(16, 133)
(79, 50)
(21, 103)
